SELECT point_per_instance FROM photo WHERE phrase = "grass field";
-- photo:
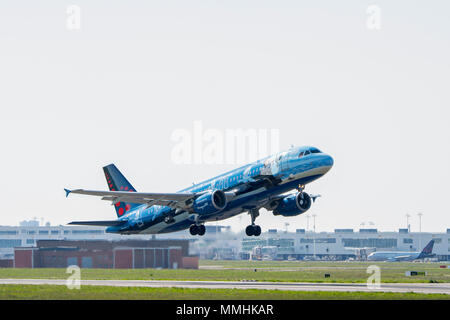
(289, 271)
(55, 292)
(286, 271)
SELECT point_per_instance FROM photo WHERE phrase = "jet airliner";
(275, 183)
(402, 255)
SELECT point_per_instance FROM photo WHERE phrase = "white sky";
(114, 91)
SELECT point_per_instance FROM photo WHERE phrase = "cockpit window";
(311, 150)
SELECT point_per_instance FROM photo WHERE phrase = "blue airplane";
(267, 183)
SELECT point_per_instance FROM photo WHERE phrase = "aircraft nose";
(329, 161)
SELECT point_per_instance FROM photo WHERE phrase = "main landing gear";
(253, 230)
(197, 229)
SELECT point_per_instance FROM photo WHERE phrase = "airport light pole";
(407, 222)
(306, 232)
(420, 230)
(314, 236)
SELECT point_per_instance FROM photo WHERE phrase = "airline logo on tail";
(427, 251)
(117, 182)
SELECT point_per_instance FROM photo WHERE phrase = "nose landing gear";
(253, 230)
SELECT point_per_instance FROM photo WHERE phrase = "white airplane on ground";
(402, 255)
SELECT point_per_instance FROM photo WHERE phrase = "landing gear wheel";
(193, 229)
(201, 230)
(257, 231)
(253, 230)
(249, 231)
(197, 229)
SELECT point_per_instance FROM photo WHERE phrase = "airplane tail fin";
(117, 182)
(427, 250)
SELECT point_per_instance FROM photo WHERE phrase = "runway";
(294, 286)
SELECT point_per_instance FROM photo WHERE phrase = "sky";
(113, 81)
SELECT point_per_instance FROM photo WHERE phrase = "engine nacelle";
(210, 202)
(293, 205)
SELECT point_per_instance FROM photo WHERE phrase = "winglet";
(67, 192)
(314, 197)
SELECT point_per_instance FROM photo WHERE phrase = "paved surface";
(350, 287)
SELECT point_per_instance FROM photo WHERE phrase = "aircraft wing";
(261, 181)
(107, 223)
(400, 258)
(151, 199)
(266, 181)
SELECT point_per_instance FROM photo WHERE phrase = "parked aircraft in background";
(261, 184)
(402, 255)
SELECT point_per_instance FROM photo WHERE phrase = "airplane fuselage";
(287, 170)
(392, 255)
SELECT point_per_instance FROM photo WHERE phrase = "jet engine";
(293, 205)
(210, 202)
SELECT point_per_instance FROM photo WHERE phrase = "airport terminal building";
(220, 242)
(341, 244)
(31, 245)
(345, 244)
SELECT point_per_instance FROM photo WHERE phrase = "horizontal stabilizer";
(105, 223)
(167, 199)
